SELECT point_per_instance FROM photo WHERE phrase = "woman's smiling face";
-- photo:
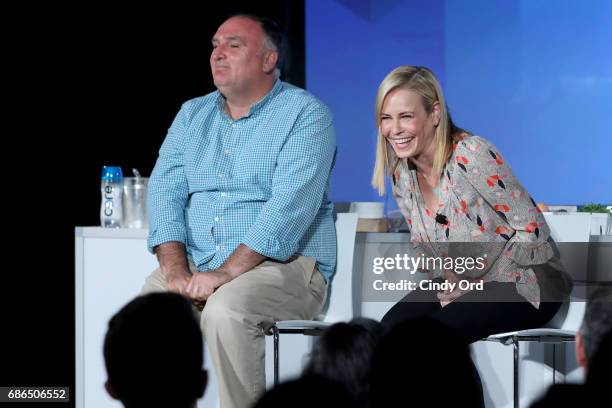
(405, 123)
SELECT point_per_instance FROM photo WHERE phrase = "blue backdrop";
(532, 76)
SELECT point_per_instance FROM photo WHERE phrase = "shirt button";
(220, 175)
(216, 219)
(227, 152)
(223, 194)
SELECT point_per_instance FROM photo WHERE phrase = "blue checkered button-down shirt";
(261, 180)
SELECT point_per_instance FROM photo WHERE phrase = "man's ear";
(270, 60)
(111, 391)
(581, 357)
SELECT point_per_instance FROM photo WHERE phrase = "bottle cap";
(112, 173)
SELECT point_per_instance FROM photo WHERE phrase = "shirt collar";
(278, 85)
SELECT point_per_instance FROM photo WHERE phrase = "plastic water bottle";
(112, 197)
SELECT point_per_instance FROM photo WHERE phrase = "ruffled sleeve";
(519, 220)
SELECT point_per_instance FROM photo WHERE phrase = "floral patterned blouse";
(483, 204)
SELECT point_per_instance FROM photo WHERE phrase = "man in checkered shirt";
(239, 210)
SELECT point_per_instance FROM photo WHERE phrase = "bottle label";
(108, 202)
(111, 209)
(108, 208)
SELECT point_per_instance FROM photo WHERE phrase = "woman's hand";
(447, 296)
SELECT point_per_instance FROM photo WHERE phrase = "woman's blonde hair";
(423, 82)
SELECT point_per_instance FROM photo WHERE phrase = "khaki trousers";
(236, 316)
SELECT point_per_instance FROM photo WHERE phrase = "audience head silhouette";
(307, 392)
(593, 353)
(596, 324)
(154, 353)
(344, 353)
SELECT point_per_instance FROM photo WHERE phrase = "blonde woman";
(453, 187)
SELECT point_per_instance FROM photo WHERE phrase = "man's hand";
(173, 263)
(177, 280)
(203, 284)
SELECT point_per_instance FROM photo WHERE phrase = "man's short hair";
(272, 33)
(597, 320)
(154, 352)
